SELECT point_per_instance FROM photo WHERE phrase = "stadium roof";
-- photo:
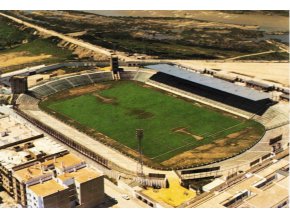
(257, 83)
(285, 96)
(212, 82)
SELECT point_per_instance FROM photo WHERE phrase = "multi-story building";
(86, 187)
(49, 194)
(38, 172)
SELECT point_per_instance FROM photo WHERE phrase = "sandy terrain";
(273, 72)
(16, 58)
(265, 22)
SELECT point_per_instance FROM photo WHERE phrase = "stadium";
(189, 119)
(169, 124)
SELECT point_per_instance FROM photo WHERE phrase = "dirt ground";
(87, 89)
(78, 91)
(17, 58)
(219, 149)
(187, 132)
(273, 72)
(103, 99)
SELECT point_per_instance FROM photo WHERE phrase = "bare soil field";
(17, 58)
(271, 23)
(78, 91)
(273, 72)
(184, 130)
(221, 148)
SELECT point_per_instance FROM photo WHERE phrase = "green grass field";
(10, 35)
(43, 46)
(171, 125)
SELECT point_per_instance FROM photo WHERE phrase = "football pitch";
(171, 125)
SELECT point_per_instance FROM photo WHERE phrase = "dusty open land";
(272, 72)
(172, 126)
(185, 37)
(234, 142)
(16, 58)
(20, 48)
(268, 20)
(35, 52)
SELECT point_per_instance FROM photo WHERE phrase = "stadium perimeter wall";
(150, 166)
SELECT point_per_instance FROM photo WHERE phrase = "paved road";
(249, 55)
(125, 162)
(101, 149)
(114, 198)
(282, 46)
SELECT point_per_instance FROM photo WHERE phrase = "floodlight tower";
(139, 135)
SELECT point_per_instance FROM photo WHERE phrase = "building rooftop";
(11, 130)
(213, 184)
(44, 169)
(81, 176)
(47, 188)
(22, 71)
(257, 83)
(216, 201)
(273, 168)
(32, 172)
(24, 152)
(246, 184)
(269, 195)
(285, 96)
(211, 82)
(67, 162)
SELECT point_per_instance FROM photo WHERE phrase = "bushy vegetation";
(160, 36)
(17, 38)
(10, 36)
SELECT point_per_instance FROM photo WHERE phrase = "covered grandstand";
(216, 89)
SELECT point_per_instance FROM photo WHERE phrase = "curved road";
(107, 152)
(127, 163)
